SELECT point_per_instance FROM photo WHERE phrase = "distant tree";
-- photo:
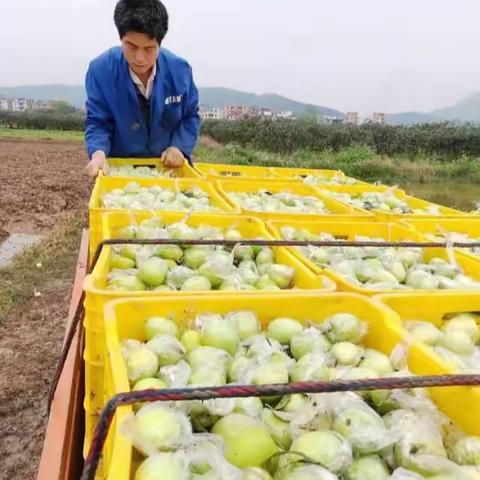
(62, 107)
(446, 140)
(309, 116)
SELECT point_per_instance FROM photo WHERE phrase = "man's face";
(140, 51)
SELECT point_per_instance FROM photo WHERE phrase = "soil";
(41, 182)
(209, 142)
(28, 355)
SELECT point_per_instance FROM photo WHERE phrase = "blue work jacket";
(115, 123)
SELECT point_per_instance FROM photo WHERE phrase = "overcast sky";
(366, 55)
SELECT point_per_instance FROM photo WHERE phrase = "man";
(141, 99)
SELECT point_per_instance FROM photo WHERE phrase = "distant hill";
(209, 96)
(467, 110)
(409, 118)
(220, 97)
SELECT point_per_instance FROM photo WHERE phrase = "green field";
(41, 134)
(360, 162)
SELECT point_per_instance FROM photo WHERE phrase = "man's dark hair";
(143, 16)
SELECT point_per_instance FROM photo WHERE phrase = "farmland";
(44, 191)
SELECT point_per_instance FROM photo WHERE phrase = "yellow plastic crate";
(97, 295)
(113, 222)
(103, 378)
(387, 231)
(299, 174)
(429, 228)
(216, 171)
(412, 202)
(126, 318)
(95, 394)
(185, 171)
(415, 306)
(336, 209)
(91, 422)
(106, 184)
(94, 384)
(415, 202)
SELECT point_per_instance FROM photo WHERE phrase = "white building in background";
(23, 104)
(233, 112)
(352, 118)
(237, 112)
(14, 105)
(3, 104)
(379, 117)
(20, 105)
(250, 112)
(213, 113)
(266, 112)
(287, 115)
(330, 119)
(41, 104)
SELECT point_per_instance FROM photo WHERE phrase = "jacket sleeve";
(186, 134)
(99, 122)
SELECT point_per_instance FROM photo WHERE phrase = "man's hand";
(172, 157)
(97, 162)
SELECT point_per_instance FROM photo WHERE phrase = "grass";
(58, 135)
(359, 162)
(52, 260)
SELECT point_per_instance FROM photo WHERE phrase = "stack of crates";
(112, 316)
